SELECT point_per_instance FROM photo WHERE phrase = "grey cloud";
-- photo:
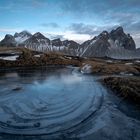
(100, 4)
(37, 3)
(131, 27)
(82, 7)
(100, 9)
(52, 24)
(81, 28)
(136, 25)
(129, 21)
(57, 36)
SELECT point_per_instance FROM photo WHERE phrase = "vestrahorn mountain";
(115, 44)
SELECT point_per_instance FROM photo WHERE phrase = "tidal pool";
(62, 103)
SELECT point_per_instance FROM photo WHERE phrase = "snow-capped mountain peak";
(22, 36)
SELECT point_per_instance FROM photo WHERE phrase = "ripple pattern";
(50, 106)
(61, 104)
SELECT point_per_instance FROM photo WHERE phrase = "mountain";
(57, 45)
(71, 47)
(15, 40)
(56, 42)
(40, 43)
(115, 44)
(37, 42)
(97, 46)
(8, 41)
(122, 40)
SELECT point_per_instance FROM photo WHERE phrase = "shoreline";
(125, 70)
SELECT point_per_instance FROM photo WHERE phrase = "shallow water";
(62, 103)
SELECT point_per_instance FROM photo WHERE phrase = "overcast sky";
(78, 20)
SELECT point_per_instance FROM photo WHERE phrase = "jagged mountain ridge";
(39, 42)
(115, 44)
(100, 45)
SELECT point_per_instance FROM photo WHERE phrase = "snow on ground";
(10, 58)
(126, 73)
(67, 57)
(128, 63)
(109, 61)
(38, 55)
(21, 39)
(137, 61)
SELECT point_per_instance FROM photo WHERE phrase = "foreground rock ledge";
(127, 87)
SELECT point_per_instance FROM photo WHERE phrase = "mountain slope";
(97, 46)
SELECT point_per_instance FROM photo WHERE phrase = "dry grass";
(27, 59)
(127, 87)
(3, 49)
(103, 67)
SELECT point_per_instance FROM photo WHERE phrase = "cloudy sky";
(78, 20)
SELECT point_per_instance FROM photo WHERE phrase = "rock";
(17, 89)
(86, 69)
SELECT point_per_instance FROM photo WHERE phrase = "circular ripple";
(53, 105)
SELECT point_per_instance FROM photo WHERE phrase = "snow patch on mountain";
(22, 36)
